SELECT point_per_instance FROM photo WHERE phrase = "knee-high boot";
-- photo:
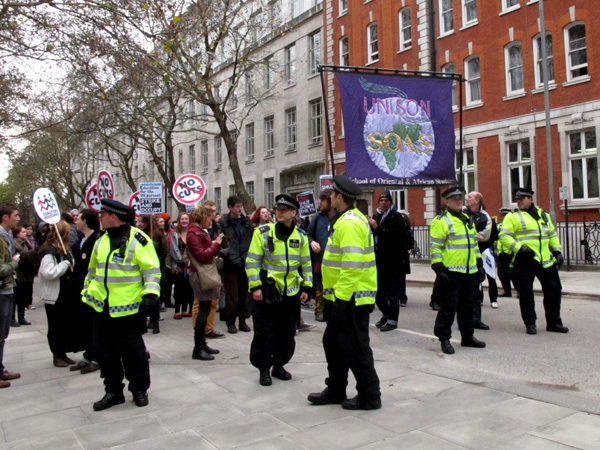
(201, 350)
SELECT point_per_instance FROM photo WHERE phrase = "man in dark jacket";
(393, 240)
(237, 229)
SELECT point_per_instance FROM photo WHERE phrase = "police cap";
(454, 191)
(523, 192)
(286, 201)
(345, 186)
(505, 210)
(114, 207)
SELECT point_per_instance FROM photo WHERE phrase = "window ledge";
(473, 106)
(531, 2)
(509, 10)
(449, 33)
(375, 61)
(312, 75)
(291, 150)
(579, 80)
(580, 204)
(271, 156)
(343, 136)
(289, 85)
(249, 161)
(204, 172)
(469, 25)
(315, 144)
(514, 96)
(218, 169)
(551, 87)
(343, 13)
(455, 109)
(405, 49)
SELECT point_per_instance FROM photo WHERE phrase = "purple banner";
(398, 130)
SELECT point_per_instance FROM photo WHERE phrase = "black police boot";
(109, 400)
(557, 328)
(447, 347)
(140, 398)
(326, 397)
(381, 322)
(531, 329)
(481, 326)
(265, 379)
(201, 350)
(472, 341)
(359, 403)
(281, 373)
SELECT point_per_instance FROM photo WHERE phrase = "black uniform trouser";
(273, 343)
(388, 292)
(235, 283)
(493, 293)
(503, 271)
(121, 352)
(456, 297)
(523, 276)
(347, 347)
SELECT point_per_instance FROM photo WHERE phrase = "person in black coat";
(393, 240)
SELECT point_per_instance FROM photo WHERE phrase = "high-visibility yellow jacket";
(288, 263)
(349, 261)
(453, 243)
(521, 228)
(500, 247)
(121, 280)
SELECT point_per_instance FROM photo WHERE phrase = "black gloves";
(338, 310)
(480, 271)
(69, 257)
(526, 253)
(149, 305)
(442, 273)
(559, 258)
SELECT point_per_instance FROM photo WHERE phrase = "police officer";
(504, 259)
(279, 277)
(123, 279)
(456, 260)
(530, 235)
(349, 288)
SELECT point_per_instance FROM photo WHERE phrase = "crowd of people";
(105, 278)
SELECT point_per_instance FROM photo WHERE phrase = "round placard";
(46, 206)
(106, 187)
(189, 189)
(92, 200)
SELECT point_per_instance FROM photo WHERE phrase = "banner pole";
(62, 244)
(325, 102)
(460, 132)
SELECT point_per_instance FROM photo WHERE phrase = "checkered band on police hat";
(114, 207)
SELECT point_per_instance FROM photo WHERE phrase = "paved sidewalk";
(219, 404)
(575, 283)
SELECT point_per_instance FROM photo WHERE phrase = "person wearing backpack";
(27, 269)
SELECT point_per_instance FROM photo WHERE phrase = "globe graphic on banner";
(398, 136)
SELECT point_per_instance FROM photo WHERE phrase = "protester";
(184, 295)
(261, 216)
(213, 232)
(26, 271)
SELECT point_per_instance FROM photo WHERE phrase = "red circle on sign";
(92, 200)
(134, 202)
(189, 189)
(106, 187)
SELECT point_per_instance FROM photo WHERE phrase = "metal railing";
(583, 242)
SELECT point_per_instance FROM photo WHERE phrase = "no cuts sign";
(92, 200)
(134, 202)
(106, 187)
(189, 189)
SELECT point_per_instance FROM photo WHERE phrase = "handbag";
(208, 274)
(270, 293)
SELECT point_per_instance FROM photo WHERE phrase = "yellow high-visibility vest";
(452, 242)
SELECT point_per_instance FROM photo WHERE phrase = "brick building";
(496, 45)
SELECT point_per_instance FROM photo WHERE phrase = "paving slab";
(466, 397)
(183, 439)
(579, 430)
(531, 443)
(199, 415)
(529, 411)
(41, 424)
(64, 440)
(415, 440)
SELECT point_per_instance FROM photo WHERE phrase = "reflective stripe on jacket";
(288, 264)
(122, 280)
(520, 228)
(349, 267)
(453, 243)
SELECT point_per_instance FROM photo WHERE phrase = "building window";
(473, 80)
(583, 156)
(400, 199)
(218, 154)
(192, 157)
(203, 112)
(295, 8)
(446, 19)
(269, 136)
(269, 192)
(290, 65)
(232, 100)
(232, 190)
(513, 57)
(469, 12)
(576, 50)
(204, 156)
(537, 56)
(250, 142)
(519, 165)
(180, 160)
(316, 121)
(372, 49)
(344, 52)
(314, 52)
(151, 169)
(269, 76)
(191, 110)
(468, 168)
(290, 129)
(404, 24)
(248, 91)
(343, 7)
(451, 68)
(250, 189)
(218, 197)
(509, 5)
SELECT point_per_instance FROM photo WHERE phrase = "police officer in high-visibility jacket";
(529, 233)
(279, 277)
(456, 260)
(349, 288)
(123, 280)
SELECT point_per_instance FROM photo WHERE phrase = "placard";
(134, 202)
(106, 187)
(189, 189)
(92, 200)
(307, 203)
(46, 206)
(151, 195)
(326, 182)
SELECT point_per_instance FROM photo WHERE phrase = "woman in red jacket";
(202, 249)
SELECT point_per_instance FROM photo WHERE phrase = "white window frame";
(204, 156)
(400, 199)
(290, 65)
(450, 67)
(316, 121)
(520, 163)
(250, 189)
(218, 153)
(192, 158)
(231, 190)
(203, 112)
(344, 51)
(269, 192)
(372, 43)
(248, 88)
(405, 44)
(268, 75)
(269, 130)
(465, 21)
(469, 166)
(585, 155)
(537, 60)
(291, 130)
(342, 7)
(218, 198)
(443, 14)
(314, 52)
(180, 160)
(569, 67)
(510, 71)
(250, 142)
(470, 81)
(507, 8)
